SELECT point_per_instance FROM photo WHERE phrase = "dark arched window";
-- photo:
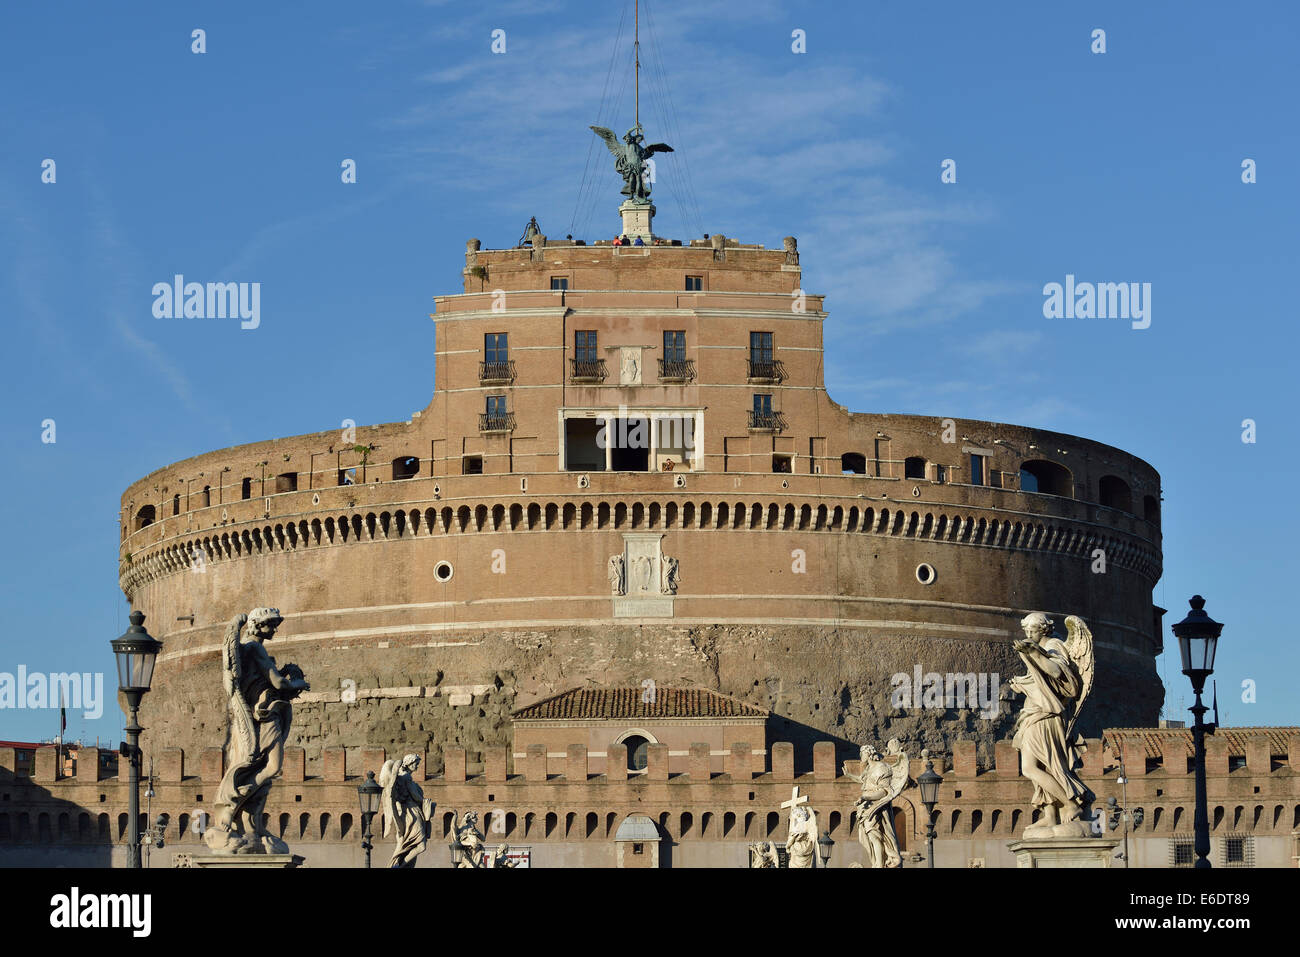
(1151, 509)
(853, 463)
(1113, 492)
(638, 752)
(1047, 478)
(144, 517)
(405, 467)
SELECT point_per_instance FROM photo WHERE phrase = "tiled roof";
(622, 703)
(1278, 739)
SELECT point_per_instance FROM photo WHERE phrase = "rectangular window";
(559, 282)
(472, 465)
(760, 347)
(495, 348)
(584, 345)
(496, 407)
(977, 470)
(674, 345)
(762, 404)
(694, 283)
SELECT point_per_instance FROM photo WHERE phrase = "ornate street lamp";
(928, 782)
(824, 845)
(136, 652)
(457, 853)
(368, 792)
(1198, 639)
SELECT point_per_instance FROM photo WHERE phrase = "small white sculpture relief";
(669, 570)
(617, 575)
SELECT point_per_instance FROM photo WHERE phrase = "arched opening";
(853, 463)
(405, 467)
(1046, 478)
(1113, 492)
(1151, 509)
(145, 516)
(638, 752)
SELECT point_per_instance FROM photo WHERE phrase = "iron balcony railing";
(677, 370)
(766, 370)
(767, 421)
(496, 421)
(503, 371)
(587, 370)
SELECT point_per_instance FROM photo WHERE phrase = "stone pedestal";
(238, 860)
(1064, 851)
(638, 219)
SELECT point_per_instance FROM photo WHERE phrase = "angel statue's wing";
(387, 808)
(241, 717)
(899, 777)
(1078, 645)
(658, 148)
(611, 141)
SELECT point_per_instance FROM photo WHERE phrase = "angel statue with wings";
(470, 839)
(405, 809)
(630, 160)
(881, 783)
(801, 839)
(1057, 684)
(260, 697)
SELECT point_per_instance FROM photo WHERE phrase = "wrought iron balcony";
(766, 421)
(496, 371)
(587, 370)
(676, 370)
(768, 370)
(496, 421)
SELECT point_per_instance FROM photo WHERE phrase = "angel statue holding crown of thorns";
(1057, 684)
(260, 697)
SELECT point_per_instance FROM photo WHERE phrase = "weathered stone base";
(1064, 851)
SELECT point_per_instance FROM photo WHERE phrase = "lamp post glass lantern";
(928, 783)
(368, 792)
(136, 652)
(824, 846)
(1198, 640)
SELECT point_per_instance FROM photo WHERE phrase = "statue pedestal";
(238, 860)
(637, 220)
(1064, 851)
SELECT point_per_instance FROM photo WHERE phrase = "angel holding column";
(1056, 685)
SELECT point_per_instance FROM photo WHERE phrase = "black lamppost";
(368, 792)
(928, 782)
(1198, 637)
(824, 846)
(136, 653)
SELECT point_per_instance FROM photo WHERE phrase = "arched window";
(853, 463)
(914, 467)
(1046, 478)
(638, 752)
(1113, 492)
(144, 517)
(176, 504)
(405, 467)
(1151, 509)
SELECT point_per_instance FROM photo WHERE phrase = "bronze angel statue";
(1056, 685)
(405, 809)
(260, 697)
(630, 160)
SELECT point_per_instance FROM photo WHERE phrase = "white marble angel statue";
(1057, 684)
(881, 783)
(405, 810)
(260, 700)
(470, 838)
(801, 840)
(764, 854)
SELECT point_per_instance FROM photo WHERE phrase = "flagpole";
(636, 49)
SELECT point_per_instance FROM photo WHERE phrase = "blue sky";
(1122, 166)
